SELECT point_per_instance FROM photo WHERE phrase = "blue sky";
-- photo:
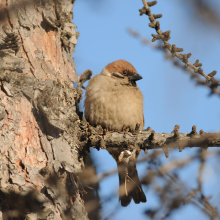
(170, 96)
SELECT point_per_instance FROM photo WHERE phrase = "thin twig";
(165, 36)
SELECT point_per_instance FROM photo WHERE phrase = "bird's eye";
(125, 73)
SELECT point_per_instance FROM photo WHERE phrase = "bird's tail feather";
(129, 184)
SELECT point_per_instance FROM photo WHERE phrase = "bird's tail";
(129, 184)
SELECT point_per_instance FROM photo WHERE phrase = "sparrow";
(114, 101)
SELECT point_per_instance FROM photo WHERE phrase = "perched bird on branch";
(114, 101)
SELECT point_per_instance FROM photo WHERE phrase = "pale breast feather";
(112, 105)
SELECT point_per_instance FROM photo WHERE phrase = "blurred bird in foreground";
(114, 101)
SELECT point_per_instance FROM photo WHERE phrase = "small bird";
(114, 101)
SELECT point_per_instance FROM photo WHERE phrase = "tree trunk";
(39, 124)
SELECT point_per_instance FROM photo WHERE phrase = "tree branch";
(165, 36)
(148, 139)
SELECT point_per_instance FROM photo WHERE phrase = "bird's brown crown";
(120, 66)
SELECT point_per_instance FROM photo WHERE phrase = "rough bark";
(38, 121)
(148, 139)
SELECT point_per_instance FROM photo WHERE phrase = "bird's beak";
(135, 77)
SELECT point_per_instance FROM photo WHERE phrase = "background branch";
(165, 36)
